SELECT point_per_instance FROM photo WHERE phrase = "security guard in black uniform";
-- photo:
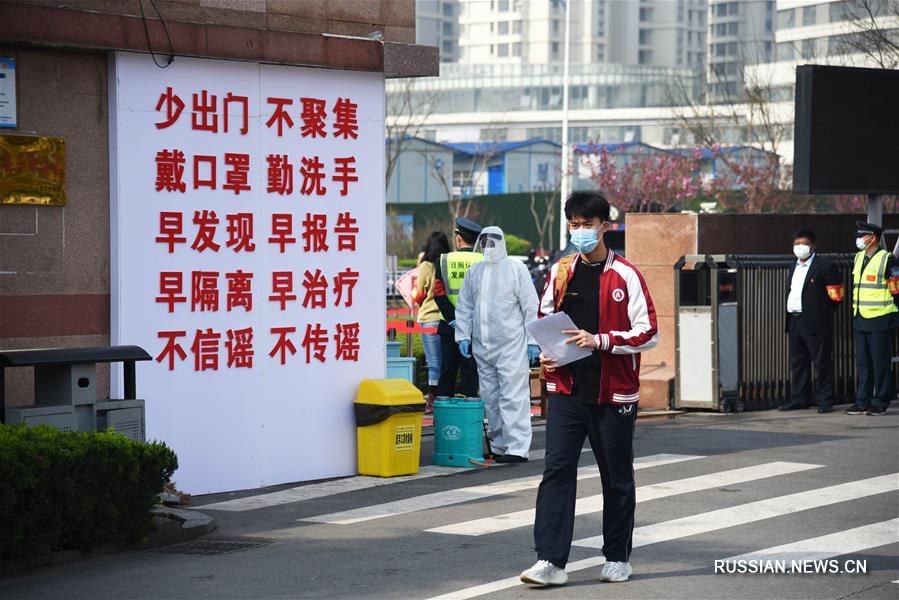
(875, 310)
(450, 274)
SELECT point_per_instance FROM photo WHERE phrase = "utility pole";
(566, 160)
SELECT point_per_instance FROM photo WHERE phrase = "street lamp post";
(566, 160)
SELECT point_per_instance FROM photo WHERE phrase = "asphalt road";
(777, 486)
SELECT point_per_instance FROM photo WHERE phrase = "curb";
(171, 526)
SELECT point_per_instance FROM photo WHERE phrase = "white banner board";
(247, 245)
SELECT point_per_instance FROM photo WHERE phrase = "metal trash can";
(732, 351)
(65, 390)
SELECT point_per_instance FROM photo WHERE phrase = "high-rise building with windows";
(740, 33)
(822, 32)
(437, 24)
(661, 33)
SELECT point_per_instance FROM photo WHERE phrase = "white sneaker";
(615, 572)
(545, 573)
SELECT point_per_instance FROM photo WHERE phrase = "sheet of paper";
(548, 334)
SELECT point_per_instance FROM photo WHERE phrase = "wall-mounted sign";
(248, 244)
(7, 92)
(32, 170)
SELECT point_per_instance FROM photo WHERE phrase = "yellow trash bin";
(388, 427)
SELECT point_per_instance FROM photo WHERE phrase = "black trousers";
(450, 363)
(808, 347)
(610, 429)
(873, 360)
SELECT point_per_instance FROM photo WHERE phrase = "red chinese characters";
(204, 176)
(172, 349)
(203, 188)
(344, 173)
(316, 288)
(315, 342)
(347, 342)
(207, 222)
(280, 174)
(313, 117)
(243, 101)
(313, 176)
(204, 293)
(315, 233)
(236, 179)
(170, 171)
(238, 167)
(171, 229)
(344, 283)
(240, 290)
(204, 111)
(171, 288)
(283, 344)
(280, 115)
(282, 288)
(206, 350)
(282, 231)
(346, 124)
(205, 117)
(240, 232)
(239, 344)
(346, 230)
(174, 106)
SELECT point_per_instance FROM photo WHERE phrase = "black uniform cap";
(868, 228)
(468, 227)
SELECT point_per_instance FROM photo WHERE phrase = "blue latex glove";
(533, 353)
(452, 323)
(465, 348)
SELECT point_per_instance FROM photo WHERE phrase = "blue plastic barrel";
(458, 431)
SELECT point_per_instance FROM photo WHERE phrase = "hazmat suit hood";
(492, 244)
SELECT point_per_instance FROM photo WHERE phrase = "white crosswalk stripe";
(593, 504)
(828, 546)
(312, 491)
(320, 490)
(466, 494)
(712, 521)
(755, 511)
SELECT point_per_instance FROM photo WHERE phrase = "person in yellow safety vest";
(875, 313)
(451, 270)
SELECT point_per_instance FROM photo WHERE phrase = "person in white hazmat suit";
(496, 301)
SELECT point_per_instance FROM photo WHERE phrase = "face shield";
(492, 244)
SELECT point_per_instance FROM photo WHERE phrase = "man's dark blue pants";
(610, 429)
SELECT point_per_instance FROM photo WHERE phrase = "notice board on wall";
(247, 247)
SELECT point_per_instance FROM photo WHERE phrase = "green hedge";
(75, 490)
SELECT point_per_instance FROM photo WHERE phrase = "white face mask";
(860, 243)
(802, 251)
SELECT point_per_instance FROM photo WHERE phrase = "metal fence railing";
(737, 304)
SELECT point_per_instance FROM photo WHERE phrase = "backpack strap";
(561, 282)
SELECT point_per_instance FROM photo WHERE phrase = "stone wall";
(54, 260)
(654, 243)
(395, 19)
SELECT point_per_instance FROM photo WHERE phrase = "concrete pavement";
(711, 487)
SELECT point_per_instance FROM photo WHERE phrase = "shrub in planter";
(62, 490)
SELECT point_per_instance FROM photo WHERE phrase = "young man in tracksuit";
(594, 398)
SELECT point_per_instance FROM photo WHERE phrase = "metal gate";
(730, 319)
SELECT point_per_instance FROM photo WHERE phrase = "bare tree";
(545, 222)
(461, 203)
(408, 110)
(875, 25)
(754, 117)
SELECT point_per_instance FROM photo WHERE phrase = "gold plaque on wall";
(32, 170)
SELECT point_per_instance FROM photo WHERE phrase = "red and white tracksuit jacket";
(627, 327)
